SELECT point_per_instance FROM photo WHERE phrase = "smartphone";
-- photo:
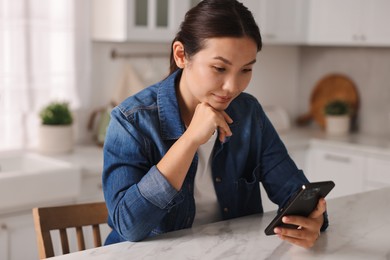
(302, 203)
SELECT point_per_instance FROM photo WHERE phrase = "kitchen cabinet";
(3, 241)
(137, 20)
(378, 172)
(345, 168)
(299, 156)
(349, 22)
(280, 22)
(17, 237)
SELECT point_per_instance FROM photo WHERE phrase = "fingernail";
(285, 219)
(225, 139)
(277, 230)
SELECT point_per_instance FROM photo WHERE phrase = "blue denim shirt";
(142, 203)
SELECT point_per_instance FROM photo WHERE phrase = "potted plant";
(337, 117)
(56, 130)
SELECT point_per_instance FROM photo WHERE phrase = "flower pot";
(337, 125)
(55, 139)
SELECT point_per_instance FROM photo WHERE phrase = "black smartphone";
(302, 203)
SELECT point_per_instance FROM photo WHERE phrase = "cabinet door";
(3, 241)
(375, 26)
(299, 156)
(154, 20)
(21, 237)
(344, 168)
(108, 20)
(282, 21)
(378, 173)
(137, 20)
(334, 22)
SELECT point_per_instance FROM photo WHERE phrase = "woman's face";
(218, 73)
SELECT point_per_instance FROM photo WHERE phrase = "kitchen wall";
(275, 75)
(369, 68)
(283, 76)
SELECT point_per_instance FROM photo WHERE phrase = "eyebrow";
(229, 62)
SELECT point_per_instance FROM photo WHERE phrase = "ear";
(179, 54)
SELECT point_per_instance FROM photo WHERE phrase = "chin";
(220, 106)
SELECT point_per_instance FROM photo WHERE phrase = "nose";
(231, 84)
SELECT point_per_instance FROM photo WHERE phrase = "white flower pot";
(55, 139)
(338, 125)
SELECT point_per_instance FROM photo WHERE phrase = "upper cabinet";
(137, 20)
(349, 22)
(282, 22)
(310, 22)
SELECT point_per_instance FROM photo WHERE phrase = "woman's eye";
(219, 69)
(246, 70)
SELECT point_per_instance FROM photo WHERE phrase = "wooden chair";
(72, 216)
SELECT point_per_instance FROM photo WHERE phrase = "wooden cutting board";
(330, 87)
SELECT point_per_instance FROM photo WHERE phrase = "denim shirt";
(142, 203)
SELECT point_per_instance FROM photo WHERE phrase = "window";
(44, 50)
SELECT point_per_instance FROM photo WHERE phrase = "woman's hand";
(309, 228)
(204, 123)
(176, 162)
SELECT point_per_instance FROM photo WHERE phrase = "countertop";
(90, 157)
(357, 142)
(359, 229)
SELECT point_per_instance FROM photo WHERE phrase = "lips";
(222, 99)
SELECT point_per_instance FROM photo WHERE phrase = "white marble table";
(359, 229)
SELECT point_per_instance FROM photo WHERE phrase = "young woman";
(193, 148)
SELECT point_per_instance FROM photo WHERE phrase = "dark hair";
(211, 19)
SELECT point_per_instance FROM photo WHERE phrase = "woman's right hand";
(205, 121)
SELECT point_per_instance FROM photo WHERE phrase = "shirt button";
(217, 179)
(226, 210)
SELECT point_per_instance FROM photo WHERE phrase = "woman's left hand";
(309, 227)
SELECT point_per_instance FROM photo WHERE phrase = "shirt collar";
(171, 125)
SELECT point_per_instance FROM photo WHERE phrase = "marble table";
(359, 229)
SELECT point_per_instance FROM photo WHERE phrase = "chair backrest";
(63, 217)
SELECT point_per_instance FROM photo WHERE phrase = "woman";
(193, 148)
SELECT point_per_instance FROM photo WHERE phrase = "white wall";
(283, 76)
(275, 77)
(274, 82)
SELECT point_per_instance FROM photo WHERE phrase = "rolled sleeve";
(156, 189)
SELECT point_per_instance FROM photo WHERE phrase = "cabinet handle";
(337, 158)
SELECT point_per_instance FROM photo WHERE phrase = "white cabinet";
(3, 241)
(299, 156)
(378, 173)
(280, 21)
(137, 20)
(345, 168)
(91, 188)
(17, 237)
(349, 22)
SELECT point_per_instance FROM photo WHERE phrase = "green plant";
(56, 113)
(337, 107)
